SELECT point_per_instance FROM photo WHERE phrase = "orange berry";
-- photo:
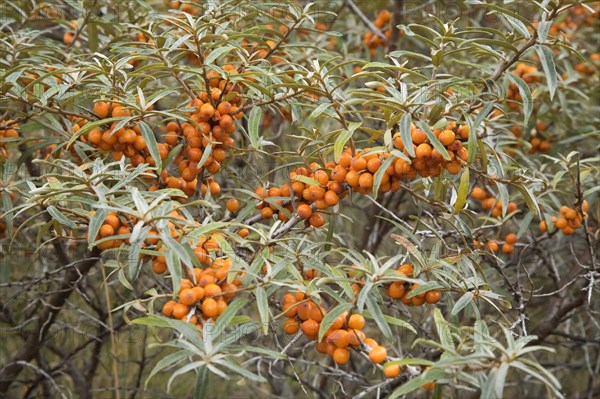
(316, 220)
(341, 356)
(406, 269)
(106, 230)
(168, 307)
(423, 151)
(310, 328)
(180, 311)
(378, 354)
(508, 248)
(232, 205)
(356, 321)
(511, 238)
(210, 308)
(492, 246)
(339, 338)
(433, 296)
(391, 371)
(291, 326)
(304, 211)
(447, 137)
(187, 296)
(478, 193)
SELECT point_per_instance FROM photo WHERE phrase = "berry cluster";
(206, 297)
(371, 40)
(113, 226)
(569, 219)
(345, 332)
(401, 289)
(317, 188)
(538, 138)
(488, 202)
(8, 130)
(508, 247)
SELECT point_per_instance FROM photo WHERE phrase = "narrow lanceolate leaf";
(405, 133)
(525, 95)
(201, 390)
(263, 308)
(377, 314)
(379, 175)
(217, 53)
(434, 140)
(529, 198)
(549, 68)
(253, 125)
(227, 316)
(96, 222)
(464, 300)
(443, 329)
(331, 316)
(60, 217)
(417, 382)
(342, 139)
(463, 191)
(150, 139)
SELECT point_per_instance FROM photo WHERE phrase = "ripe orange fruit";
(106, 230)
(266, 213)
(423, 151)
(508, 248)
(212, 290)
(168, 307)
(492, 246)
(433, 296)
(210, 308)
(365, 180)
(207, 111)
(478, 193)
(187, 296)
(102, 109)
(561, 223)
(331, 198)
(396, 290)
(339, 338)
(356, 321)
(316, 220)
(391, 371)
(180, 311)
(159, 267)
(406, 269)
(310, 328)
(113, 220)
(355, 337)
(232, 205)
(198, 293)
(447, 137)
(341, 356)
(304, 211)
(378, 354)
(358, 164)
(511, 238)
(291, 326)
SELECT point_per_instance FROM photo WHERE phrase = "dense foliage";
(329, 199)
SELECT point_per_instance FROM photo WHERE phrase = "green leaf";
(418, 382)
(96, 222)
(214, 54)
(529, 198)
(254, 120)
(547, 60)
(463, 191)
(330, 318)
(405, 134)
(201, 390)
(378, 316)
(263, 308)
(464, 300)
(379, 175)
(150, 139)
(443, 329)
(60, 217)
(227, 316)
(525, 93)
(307, 180)
(342, 139)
